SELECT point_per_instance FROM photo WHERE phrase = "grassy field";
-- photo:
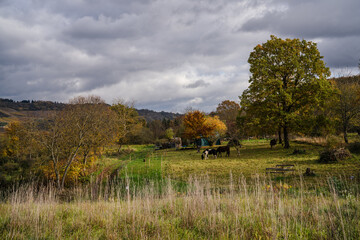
(171, 194)
(255, 157)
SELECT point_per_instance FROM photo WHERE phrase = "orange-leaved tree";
(197, 125)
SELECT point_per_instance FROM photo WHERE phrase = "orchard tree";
(288, 79)
(347, 105)
(127, 119)
(228, 111)
(169, 133)
(156, 128)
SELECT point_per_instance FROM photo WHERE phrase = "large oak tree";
(288, 80)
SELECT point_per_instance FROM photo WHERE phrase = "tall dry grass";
(328, 141)
(256, 208)
(320, 141)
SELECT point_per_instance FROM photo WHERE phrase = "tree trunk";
(286, 136)
(71, 158)
(345, 133)
(119, 149)
(286, 109)
(279, 134)
(86, 155)
(57, 175)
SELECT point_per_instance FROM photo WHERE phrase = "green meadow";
(174, 194)
(255, 156)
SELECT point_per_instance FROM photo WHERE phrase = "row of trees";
(64, 145)
(346, 105)
(289, 92)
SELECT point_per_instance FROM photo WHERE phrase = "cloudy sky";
(163, 54)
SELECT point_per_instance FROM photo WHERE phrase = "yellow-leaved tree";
(75, 135)
(218, 128)
(198, 125)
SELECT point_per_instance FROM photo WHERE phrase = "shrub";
(354, 147)
(334, 155)
(334, 142)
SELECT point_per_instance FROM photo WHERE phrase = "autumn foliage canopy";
(198, 125)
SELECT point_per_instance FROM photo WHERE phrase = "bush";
(334, 142)
(354, 147)
(334, 155)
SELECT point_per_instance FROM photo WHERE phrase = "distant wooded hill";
(27, 105)
(10, 109)
(151, 115)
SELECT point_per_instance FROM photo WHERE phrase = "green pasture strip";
(142, 163)
(179, 166)
(111, 161)
(145, 167)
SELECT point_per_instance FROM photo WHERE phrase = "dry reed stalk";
(251, 208)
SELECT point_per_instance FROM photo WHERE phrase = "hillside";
(11, 110)
(27, 105)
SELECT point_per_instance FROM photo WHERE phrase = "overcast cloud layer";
(164, 55)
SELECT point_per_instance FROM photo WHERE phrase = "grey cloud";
(341, 52)
(125, 26)
(198, 83)
(149, 51)
(333, 24)
(311, 19)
